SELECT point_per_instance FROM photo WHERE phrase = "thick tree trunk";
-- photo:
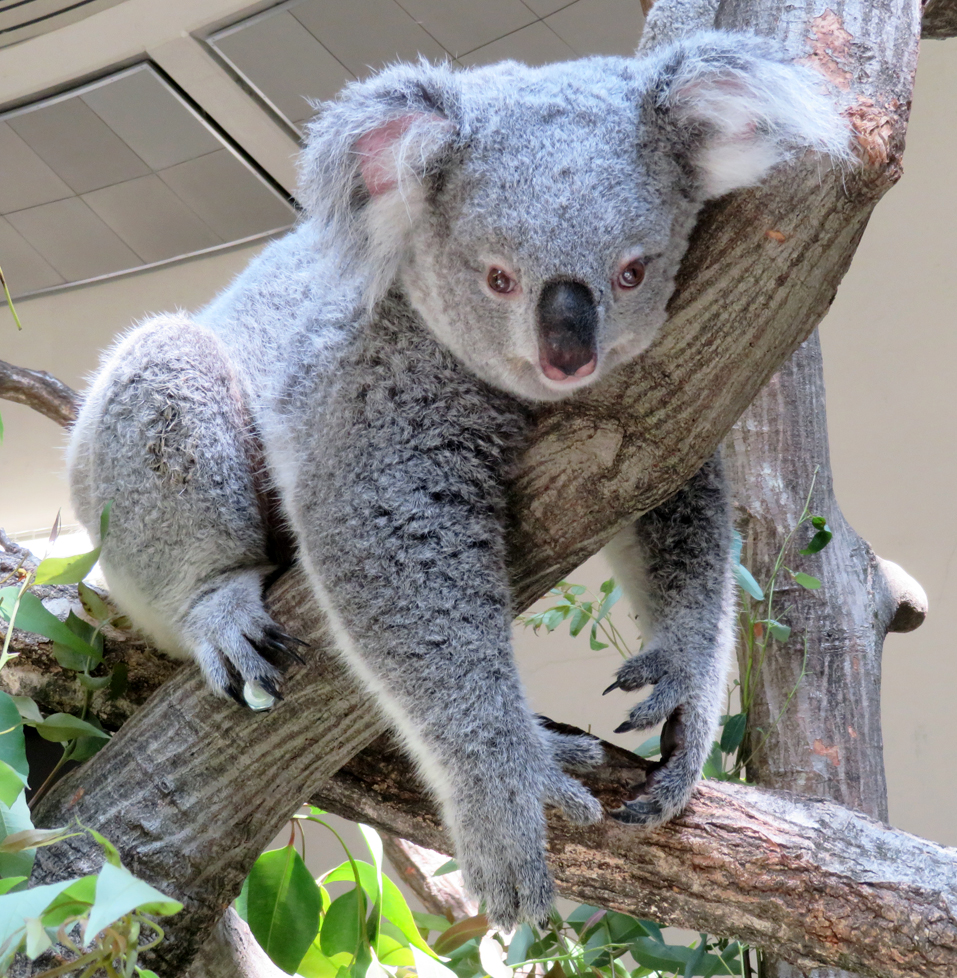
(814, 723)
(192, 788)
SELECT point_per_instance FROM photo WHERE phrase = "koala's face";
(545, 255)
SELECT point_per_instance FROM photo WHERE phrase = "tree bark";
(192, 788)
(814, 724)
(807, 879)
(940, 19)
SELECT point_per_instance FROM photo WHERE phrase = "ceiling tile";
(387, 33)
(77, 144)
(228, 196)
(73, 239)
(145, 113)
(463, 26)
(600, 26)
(151, 219)
(23, 268)
(279, 57)
(25, 180)
(535, 45)
(545, 7)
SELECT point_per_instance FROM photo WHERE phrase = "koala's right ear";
(367, 157)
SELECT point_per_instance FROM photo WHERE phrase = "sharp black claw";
(270, 687)
(624, 727)
(236, 694)
(284, 637)
(614, 685)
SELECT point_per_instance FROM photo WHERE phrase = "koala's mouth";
(567, 331)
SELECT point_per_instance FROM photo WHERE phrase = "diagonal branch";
(39, 390)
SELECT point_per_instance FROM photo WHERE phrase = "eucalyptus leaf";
(33, 617)
(66, 570)
(119, 892)
(806, 581)
(746, 582)
(60, 727)
(733, 732)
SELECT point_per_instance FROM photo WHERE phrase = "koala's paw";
(679, 700)
(243, 653)
(515, 888)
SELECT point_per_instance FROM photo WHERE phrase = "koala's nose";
(567, 330)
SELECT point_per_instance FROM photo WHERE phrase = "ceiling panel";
(25, 180)
(461, 27)
(167, 134)
(545, 7)
(73, 239)
(27, 18)
(118, 174)
(228, 196)
(77, 145)
(283, 61)
(600, 26)
(22, 264)
(151, 219)
(387, 33)
(535, 45)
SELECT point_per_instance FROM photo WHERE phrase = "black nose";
(567, 328)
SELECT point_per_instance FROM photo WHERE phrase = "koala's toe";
(576, 752)
(663, 701)
(642, 811)
(640, 670)
(574, 800)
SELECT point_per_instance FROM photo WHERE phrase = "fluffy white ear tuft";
(735, 109)
(366, 159)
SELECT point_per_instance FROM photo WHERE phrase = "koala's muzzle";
(567, 330)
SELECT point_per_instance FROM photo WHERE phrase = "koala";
(475, 243)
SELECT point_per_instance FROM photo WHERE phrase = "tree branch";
(940, 19)
(39, 390)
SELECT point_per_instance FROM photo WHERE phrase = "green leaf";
(714, 765)
(7, 884)
(283, 904)
(16, 818)
(60, 727)
(340, 925)
(119, 892)
(74, 901)
(95, 606)
(395, 909)
(33, 839)
(145, 973)
(576, 589)
(610, 599)
(737, 545)
(819, 523)
(733, 732)
(119, 680)
(316, 965)
(523, 938)
(105, 520)
(819, 541)
(430, 921)
(66, 570)
(650, 747)
(13, 753)
(806, 581)
(606, 587)
(16, 907)
(747, 582)
(27, 708)
(33, 617)
(450, 867)
(552, 619)
(781, 632)
(110, 852)
(241, 903)
(593, 642)
(93, 683)
(577, 622)
(85, 747)
(368, 878)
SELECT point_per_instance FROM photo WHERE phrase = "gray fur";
(364, 371)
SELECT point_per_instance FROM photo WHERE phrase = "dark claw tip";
(236, 694)
(270, 687)
(624, 727)
(293, 639)
(614, 685)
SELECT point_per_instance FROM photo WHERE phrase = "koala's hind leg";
(674, 562)
(165, 434)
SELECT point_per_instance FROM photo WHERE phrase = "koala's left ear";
(368, 155)
(731, 109)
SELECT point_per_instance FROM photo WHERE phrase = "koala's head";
(535, 217)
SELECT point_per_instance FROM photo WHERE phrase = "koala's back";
(293, 305)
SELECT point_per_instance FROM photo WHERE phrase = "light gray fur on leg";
(165, 435)
(675, 564)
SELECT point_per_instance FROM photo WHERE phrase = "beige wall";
(890, 347)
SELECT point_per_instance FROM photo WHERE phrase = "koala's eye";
(500, 281)
(632, 275)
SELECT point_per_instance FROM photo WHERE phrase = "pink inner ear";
(378, 160)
